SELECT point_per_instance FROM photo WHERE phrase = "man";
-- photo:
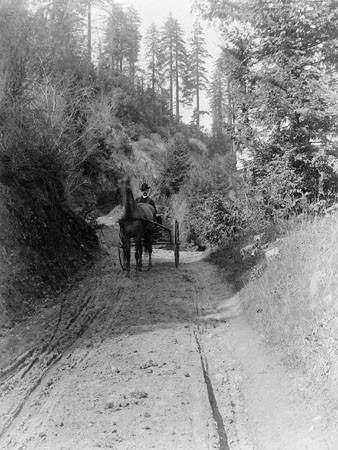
(145, 197)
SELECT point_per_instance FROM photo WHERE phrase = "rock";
(138, 394)
(124, 404)
(328, 300)
(148, 364)
(318, 422)
(109, 405)
(271, 253)
(115, 369)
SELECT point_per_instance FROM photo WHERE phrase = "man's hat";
(145, 187)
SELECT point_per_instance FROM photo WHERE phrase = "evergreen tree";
(155, 78)
(196, 78)
(220, 105)
(167, 49)
(176, 170)
(115, 38)
(174, 61)
(123, 41)
(180, 64)
(60, 36)
(133, 38)
(153, 57)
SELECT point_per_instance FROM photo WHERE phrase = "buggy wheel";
(176, 244)
(122, 257)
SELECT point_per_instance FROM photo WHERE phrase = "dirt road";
(164, 360)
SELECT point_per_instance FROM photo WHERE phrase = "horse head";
(128, 200)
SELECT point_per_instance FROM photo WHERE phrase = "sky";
(157, 11)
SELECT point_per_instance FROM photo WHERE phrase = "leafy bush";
(214, 221)
(287, 183)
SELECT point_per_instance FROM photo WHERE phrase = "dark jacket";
(147, 200)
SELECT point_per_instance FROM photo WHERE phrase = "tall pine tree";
(115, 39)
(61, 36)
(153, 57)
(196, 77)
(133, 38)
(220, 105)
(155, 77)
(123, 40)
(174, 61)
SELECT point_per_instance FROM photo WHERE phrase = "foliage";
(281, 97)
(176, 170)
(14, 49)
(214, 220)
(210, 192)
(289, 184)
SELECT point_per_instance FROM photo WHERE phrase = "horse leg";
(141, 255)
(127, 250)
(149, 246)
(138, 254)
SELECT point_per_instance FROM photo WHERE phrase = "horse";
(137, 222)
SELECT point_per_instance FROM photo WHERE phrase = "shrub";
(214, 221)
(291, 183)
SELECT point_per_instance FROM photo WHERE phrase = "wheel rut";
(123, 360)
(22, 378)
(201, 294)
(223, 439)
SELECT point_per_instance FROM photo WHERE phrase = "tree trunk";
(171, 99)
(198, 99)
(153, 72)
(177, 84)
(231, 123)
(89, 38)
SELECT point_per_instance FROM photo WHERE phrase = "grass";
(294, 300)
